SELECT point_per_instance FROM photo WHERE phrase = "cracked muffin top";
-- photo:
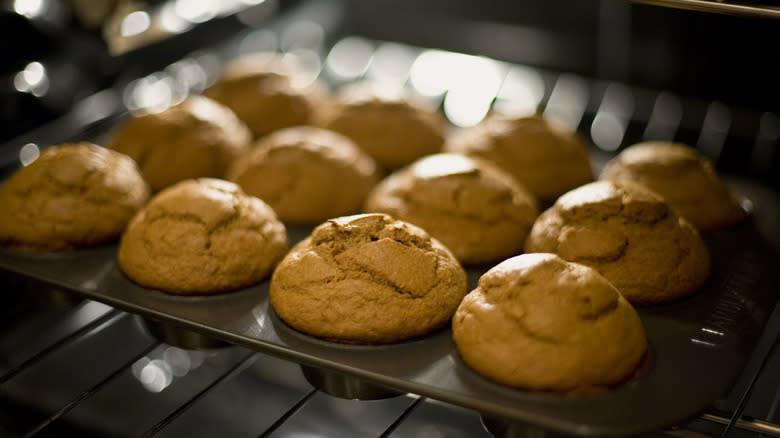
(74, 195)
(541, 154)
(538, 322)
(630, 235)
(478, 211)
(306, 174)
(368, 279)
(198, 138)
(685, 178)
(201, 237)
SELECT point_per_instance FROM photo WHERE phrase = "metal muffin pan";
(698, 345)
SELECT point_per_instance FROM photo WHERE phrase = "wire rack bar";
(234, 370)
(89, 392)
(290, 412)
(409, 409)
(62, 342)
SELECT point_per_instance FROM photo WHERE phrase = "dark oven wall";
(693, 53)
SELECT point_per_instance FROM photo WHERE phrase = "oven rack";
(613, 115)
(764, 9)
(160, 390)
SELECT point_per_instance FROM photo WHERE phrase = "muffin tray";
(698, 345)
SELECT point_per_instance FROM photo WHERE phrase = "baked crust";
(541, 154)
(201, 237)
(538, 322)
(630, 235)
(196, 138)
(684, 177)
(473, 207)
(367, 279)
(74, 195)
(307, 174)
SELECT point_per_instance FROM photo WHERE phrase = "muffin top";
(685, 178)
(367, 279)
(538, 322)
(267, 91)
(630, 235)
(306, 174)
(542, 155)
(196, 138)
(74, 195)
(391, 126)
(474, 208)
(202, 236)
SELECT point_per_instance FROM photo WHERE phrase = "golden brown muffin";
(367, 279)
(630, 235)
(478, 211)
(261, 89)
(542, 155)
(196, 138)
(74, 195)
(201, 237)
(392, 127)
(538, 322)
(306, 174)
(685, 178)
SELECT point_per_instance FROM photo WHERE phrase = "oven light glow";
(135, 23)
(33, 79)
(29, 8)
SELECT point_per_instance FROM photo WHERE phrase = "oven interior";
(617, 71)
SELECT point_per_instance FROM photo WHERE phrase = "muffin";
(543, 156)
(630, 235)
(539, 323)
(367, 279)
(263, 92)
(478, 211)
(201, 237)
(685, 178)
(390, 126)
(75, 195)
(306, 174)
(196, 138)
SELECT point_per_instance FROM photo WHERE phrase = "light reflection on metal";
(171, 21)
(349, 58)
(567, 101)
(766, 146)
(474, 83)
(392, 63)
(521, 92)
(309, 67)
(470, 82)
(427, 74)
(665, 118)
(610, 123)
(33, 79)
(29, 153)
(712, 331)
(302, 35)
(197, 11)
(189, 74)
(152, 94)
(163, 366)
(135, 23)
(714, 130)
(30, 8)
(704, 343)
(262, 40)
